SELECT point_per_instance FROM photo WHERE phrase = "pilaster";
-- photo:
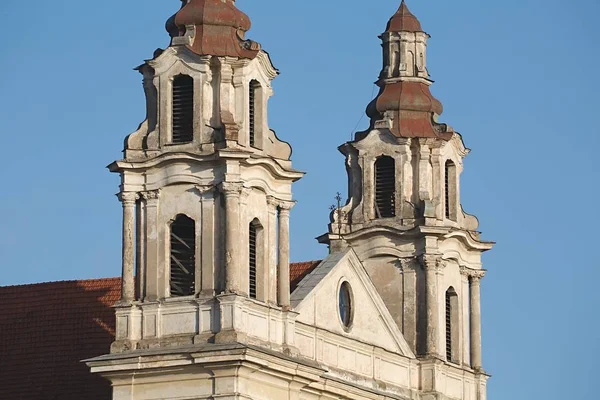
(431, 264)
(152, 240)
(284, 253)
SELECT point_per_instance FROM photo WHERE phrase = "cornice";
(275, 168)
(469, 240)
(124, 165)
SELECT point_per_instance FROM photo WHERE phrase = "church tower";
(206, 312)
(206, 191)
(404, 217)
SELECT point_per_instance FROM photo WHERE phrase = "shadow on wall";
(46, 330)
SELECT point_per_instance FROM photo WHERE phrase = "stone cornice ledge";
(205, 355)
(123, 165)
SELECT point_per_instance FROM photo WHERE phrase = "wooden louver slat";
(183, 257)
(252, 261)
(385, 187)
(183, 109)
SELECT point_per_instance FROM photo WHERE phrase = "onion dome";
(220, 28)
(403, 21)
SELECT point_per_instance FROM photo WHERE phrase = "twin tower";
(206, 189)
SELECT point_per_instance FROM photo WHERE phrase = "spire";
(404, 102)
(403, 21)
(212, 27)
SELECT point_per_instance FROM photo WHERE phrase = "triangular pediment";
(316, 299)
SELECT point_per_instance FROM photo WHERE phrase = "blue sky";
(517, 78)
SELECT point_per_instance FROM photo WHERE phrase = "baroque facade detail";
(210, 307)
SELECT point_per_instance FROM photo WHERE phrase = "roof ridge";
(62, 281)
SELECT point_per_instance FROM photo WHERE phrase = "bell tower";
(206, 189)
(403, 216)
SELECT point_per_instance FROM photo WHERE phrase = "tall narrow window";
(183, 109)
(183, 256)
(451, 325)
(253, 108)
(450, 190)
(253, 239)
(385, 187)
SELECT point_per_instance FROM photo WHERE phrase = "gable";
(316, 299)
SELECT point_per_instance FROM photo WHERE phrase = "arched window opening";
(450, 190)
(183, 256)
(253, 239)
(451, 325)
(253, 108)
(183, 109)
(385, 187)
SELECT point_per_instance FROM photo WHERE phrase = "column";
(431, 266)
(140, 257)
(284, 253)
(475, 286)
(232, 192)
(151, 241)
(128, 282)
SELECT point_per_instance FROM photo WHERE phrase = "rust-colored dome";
(220, 28)
(403, 21)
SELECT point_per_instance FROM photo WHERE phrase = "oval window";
(345, 304)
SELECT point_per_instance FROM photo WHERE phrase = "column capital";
(430, 262)
(150, 195)
(286, 206)
(272, 205)
(408, 264)
(474, 274)
(128, 198)
(231, 188)
(477, 275)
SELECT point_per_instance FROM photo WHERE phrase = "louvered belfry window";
(450, 178)
(448, 325)
(252, 259)
(253, 108)
(183, 256)
(447, 188)
(183, 109)
(385, 187)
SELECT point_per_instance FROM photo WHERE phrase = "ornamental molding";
(267, 65)
(150, 195)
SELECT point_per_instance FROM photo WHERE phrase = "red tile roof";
(46, 329)
(299, 270)
(220, 28)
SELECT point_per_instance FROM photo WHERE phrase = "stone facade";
(206, 310)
